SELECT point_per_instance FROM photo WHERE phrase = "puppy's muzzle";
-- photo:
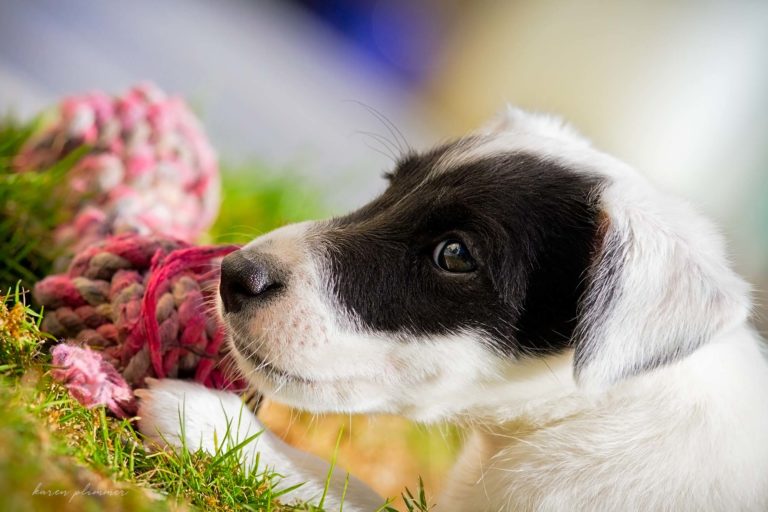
(248, 279)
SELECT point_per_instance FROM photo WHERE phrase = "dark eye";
(453, 256)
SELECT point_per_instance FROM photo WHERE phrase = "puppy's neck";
(539, 390)
(539, 396)
(541, 386)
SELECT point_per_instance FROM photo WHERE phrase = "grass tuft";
(58, 454)
(20, 335)
(31, 206)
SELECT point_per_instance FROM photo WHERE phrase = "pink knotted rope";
(135, 290)
(192, 259)
(91, 380)
(145, 303)
(149, 167)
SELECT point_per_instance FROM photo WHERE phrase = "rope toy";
(145, 302)
(136, 300)
(149, 167)
(93, 381)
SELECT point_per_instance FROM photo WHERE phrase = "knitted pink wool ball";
(149, 169)
(147, 304)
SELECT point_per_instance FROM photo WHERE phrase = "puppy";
(586, 327)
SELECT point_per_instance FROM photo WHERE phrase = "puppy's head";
(486, 263)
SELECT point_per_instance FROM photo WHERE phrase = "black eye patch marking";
(529, 223)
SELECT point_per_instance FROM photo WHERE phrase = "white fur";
(216, 420)
(619, 433)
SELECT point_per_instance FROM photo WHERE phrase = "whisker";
(400, 139)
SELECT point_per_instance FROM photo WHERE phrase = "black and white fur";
(600, 353)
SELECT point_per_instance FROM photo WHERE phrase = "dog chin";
(321, 396)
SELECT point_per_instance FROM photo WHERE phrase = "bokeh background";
(298, 89)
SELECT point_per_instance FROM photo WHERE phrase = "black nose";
(247, 278)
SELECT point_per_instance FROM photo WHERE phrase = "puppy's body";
(587, 327)
(677, 439)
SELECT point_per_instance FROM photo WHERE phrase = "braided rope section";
(149, 167)
(146, 304)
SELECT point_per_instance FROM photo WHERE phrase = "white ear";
(513, 119)
(658, 288)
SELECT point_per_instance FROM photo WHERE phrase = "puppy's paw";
(173, 412)
(170, 410)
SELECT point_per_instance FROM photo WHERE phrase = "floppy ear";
(658, 288)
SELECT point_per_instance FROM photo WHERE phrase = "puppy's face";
(464, 277)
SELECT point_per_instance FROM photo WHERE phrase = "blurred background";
(317, 91)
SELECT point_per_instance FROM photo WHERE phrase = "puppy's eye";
(453, 256)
